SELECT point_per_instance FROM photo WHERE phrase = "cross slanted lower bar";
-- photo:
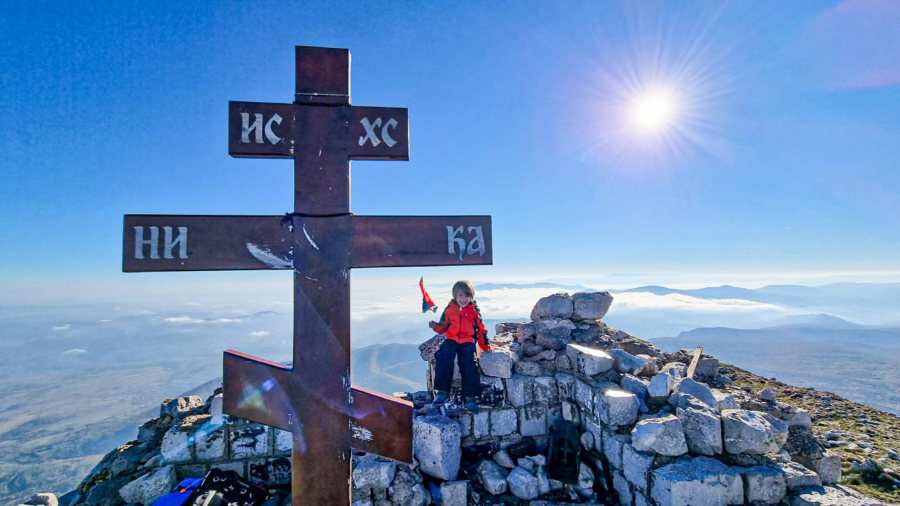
(321, 241)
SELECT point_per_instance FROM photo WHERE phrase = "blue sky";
(782, 159)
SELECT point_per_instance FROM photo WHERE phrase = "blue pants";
(464, 354)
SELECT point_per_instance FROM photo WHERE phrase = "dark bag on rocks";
(226, 488)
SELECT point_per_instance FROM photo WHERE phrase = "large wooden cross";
(321, 241)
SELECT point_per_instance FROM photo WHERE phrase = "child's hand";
(432, 325)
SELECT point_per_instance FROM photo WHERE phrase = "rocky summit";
(571, 411)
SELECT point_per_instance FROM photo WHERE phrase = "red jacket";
(463, 325)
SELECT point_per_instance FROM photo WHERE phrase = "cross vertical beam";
(322, 273)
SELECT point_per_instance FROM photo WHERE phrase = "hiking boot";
(441, 397)
(471, 404)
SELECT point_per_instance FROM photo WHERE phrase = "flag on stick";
(427, 303)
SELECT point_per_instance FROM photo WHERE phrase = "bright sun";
(654, 110)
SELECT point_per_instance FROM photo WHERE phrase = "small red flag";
(427, 303)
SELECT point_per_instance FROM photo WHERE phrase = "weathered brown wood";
(205, 243)
(405, 241)
(269, 393)
(260, 130)
(381, 424)
(694, 361)
(322, 76)
(379, 133)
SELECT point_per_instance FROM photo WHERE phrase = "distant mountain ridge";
(500, 286)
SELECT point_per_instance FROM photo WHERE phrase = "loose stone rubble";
(648, 434)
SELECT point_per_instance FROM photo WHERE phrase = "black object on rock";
(565, 449)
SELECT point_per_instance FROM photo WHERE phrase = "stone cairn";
(648, 434)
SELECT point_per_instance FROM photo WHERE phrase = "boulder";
(748, 432)
(503, 459)
(150, 487)
(503, 422)
(436, 446)
(827, 466)
(796, 476)
(181, 406)
(707, 368)
(454, 493)
(177, 446)
(674, 369)
(662, 435)
(531, 349)
(430, 347)
(702, 430)
(634, 385)
(560, 326)
(552, 340)
(698, 390)
(546, 392)
(523, 484)
(588, 361)
(617, 407)
(626, 362)
(636, 467)
(526, 368)
(651, 365)
(558, 305)
(661, 386)
(498, 364)
(371, 472)
(590, 306)
(764, 484)
(519, 390)
(725, 400)
(613, 445)
(700, 481)
(492, 477)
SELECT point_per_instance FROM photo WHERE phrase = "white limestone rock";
(625, 362)
(177, 446)
(545, 391)
(700, 481)
(796, 476)
(497, 364)
(148, 488)
(523, 484)
(764, 484)
(503, 459)
(613, 445)
(372, 472)
(180, 407)
(617, 407)
(558, 305)
(591, 306)
(698, 390)
(250, 441)
(436, 446)
(661, 386)
(662, 435)
(533, 421)
(702, 430)
(588, 361)
(492, 477)
(636, 467)
(675, 369)
(504, 421)
(748, 432)
(520, 390)
(725, 400)
(454, 493)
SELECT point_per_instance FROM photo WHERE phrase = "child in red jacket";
(463, 327)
